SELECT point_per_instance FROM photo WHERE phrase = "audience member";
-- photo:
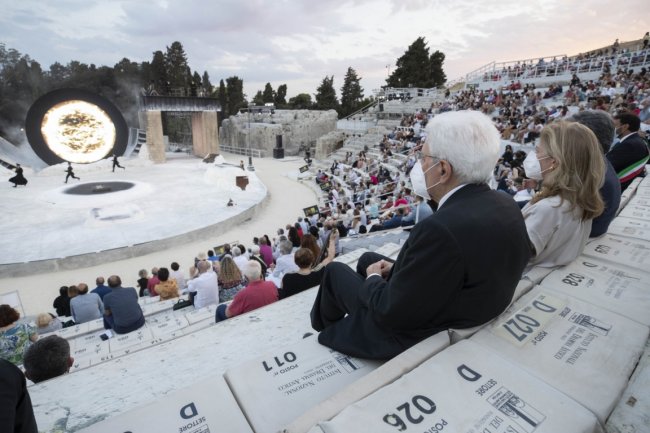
(153, 281)
(602, 126)
(307, 275)
(143, 281)
(122, 313)
(309, 241)
(178, 275)
(239, 258)
(266, 250)
(46, 322)
(255, 255)
(205, 287)
(16, 412)
(256, 294)
(230, 280)
(284, 263)
(15, 337)
(166, 288)
(630, 155)
(458, 268)
(62, 303)
(47, 358)
(558, 219)
(101, 289)
(84, 307)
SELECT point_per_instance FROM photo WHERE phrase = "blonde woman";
(570, 165)
(230, 279)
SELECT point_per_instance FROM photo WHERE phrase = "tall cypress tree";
(416, 68)
(326, 95)
(351, 93)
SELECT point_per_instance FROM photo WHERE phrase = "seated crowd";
(431, 173)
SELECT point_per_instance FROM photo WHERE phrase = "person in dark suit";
(458, 268)
(602, 125)
(16, 412)
(630, 155)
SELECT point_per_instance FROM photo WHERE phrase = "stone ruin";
(300, 129)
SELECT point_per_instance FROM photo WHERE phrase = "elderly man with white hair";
(458, 268)
(256, 294)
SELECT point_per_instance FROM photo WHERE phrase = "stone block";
(274, 389)
(568, 344)
(465, 389)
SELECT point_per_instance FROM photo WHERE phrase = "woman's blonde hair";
(578, 168)
(229, 270)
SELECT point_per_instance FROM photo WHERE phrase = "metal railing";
(242, 151)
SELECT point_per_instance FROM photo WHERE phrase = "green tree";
(326, 95)
(281, 96)
(158, 76)
(416, 68)
(176, 66)
(437, 73)
(195, 84)
(235, 92)
(208, 89)
(351, 93)
(258, 99)
(301, 101)
(269, 94)
(222, 96)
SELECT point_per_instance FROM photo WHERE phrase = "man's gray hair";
(468, 140)
(47, 358)
(286, 247)
(236, 251)
(253, 270)
(600, 123)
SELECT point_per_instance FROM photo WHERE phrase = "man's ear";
(70, 362)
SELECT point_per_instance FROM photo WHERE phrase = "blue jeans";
(220, 314)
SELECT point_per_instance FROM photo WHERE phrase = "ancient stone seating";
(559, 359)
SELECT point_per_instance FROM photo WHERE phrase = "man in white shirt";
(285, 262)
(239, 258)
(205, 287)
(177, 274)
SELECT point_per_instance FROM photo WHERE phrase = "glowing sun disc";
(78, 131)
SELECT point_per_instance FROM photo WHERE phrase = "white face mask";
(418, 181)
(532, 167)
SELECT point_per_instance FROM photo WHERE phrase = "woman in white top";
(570, 164)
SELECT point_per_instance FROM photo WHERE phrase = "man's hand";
(381, 267)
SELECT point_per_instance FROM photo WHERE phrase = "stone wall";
(328, 143)
(297, 127)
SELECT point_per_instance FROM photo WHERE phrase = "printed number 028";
(423, 404)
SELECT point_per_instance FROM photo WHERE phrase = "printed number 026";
(423, 404)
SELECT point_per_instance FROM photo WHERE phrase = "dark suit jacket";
(628, 158)
(458, 269)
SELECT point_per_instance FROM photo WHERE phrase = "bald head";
(203, 266)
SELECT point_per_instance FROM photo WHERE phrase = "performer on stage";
(18, 179)
(116, 163)
(70, 173)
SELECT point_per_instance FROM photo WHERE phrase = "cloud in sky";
(300, 42)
